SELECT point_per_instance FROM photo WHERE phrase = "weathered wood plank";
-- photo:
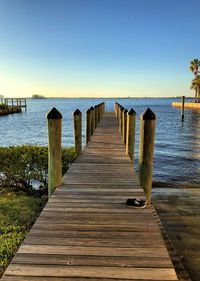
(95, 251)
(75, 260)
(93, 271)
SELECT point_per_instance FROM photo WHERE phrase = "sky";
(98, 48)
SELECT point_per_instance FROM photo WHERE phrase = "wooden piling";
(96, 115)
(122, 119)
(99, 112)
(103, 108)
(92, 120)
(124, 125)
(130, 133)
(54, 118)
(88, 125)
(182, 108)
(77, 131)
(147, 135)
(115, 109)
(118, 113)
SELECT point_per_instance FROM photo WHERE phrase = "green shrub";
(17, 214)
(22, 166)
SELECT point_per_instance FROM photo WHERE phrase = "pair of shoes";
(136, 202)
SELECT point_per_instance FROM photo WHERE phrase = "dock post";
(96, 115)
(77, 131)
(124, 125)
(115, 109)
(130, 133)
(25, 104)
(147, 135)
(88, 125)
(54, 118)
(182, 108)
(99, 113)
(118, 113)
(92, 120)
(100, 110)
(104, 107)
(122, 118)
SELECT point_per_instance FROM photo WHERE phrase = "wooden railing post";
(104, 107)
(88, 125)
(101, 110)
(118, 112)
(147, 135)
(96, 115)
(92, 120)
(122, 118)
(78, 131)
(130, 133)
(182, 108)
(115, 109)
(54, 118)
(124, 125)
(99, 113)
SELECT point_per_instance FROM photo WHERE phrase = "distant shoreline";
(109, 98)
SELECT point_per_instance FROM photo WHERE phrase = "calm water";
(177, 145)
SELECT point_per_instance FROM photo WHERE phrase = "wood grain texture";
(86, 232)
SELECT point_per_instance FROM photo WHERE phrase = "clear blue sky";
(98, 47)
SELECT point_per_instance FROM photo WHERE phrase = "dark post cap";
(91, 108)
(88, 111)
(77, 112)
(95, 106)
(54, 114)
(125, 111)
(131, 112)
(148, 115)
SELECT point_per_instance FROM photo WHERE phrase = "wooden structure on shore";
(86, 231)
(12, 105)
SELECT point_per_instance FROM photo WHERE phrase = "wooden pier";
(12, 105)
(86, 232)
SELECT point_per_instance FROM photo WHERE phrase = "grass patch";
(17, 214)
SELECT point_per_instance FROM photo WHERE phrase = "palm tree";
(196, 86)
(194, 68)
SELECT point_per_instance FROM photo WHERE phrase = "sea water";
(177, 143)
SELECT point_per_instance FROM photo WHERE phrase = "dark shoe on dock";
(136, 202)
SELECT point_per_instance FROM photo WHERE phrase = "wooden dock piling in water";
(77, 131)
(130, 133)
(86, 231)
(146, 150)
(54, 118)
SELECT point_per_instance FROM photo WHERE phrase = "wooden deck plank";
(92, 272)
(86, 232)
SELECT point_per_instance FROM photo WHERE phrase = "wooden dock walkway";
(86, 232)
